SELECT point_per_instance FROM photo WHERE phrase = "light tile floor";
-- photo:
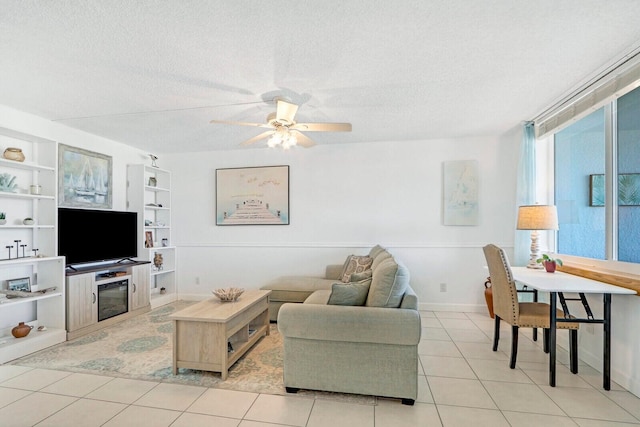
(461, 383)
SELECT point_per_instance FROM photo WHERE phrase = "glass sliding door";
(580, 151)
(628, 159)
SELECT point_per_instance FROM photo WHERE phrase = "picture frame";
(84, 178)
(460, 199)
(596, 190)
(22, 284)
(148, 239)
(628, 189)
(252, 196)
(153, 182)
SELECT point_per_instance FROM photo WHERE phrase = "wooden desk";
(203, 332)
(557, 284)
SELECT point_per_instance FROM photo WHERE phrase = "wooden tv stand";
(112, 267)
(82, 289)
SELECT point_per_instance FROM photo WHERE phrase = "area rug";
(141, 348)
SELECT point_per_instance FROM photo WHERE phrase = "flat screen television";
(88, 235)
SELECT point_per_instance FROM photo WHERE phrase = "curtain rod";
(589, 83)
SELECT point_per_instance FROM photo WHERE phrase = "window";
(588, 153)
(579, 155)
(628, 168)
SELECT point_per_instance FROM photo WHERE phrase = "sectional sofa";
(297, 289)
(359, 336)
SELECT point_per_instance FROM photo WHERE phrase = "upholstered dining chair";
(521, 314)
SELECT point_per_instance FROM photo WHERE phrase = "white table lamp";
(534, 218)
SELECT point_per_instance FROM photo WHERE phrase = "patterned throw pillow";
(355, 264)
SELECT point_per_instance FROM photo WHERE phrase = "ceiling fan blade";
(323, 127)
(258, 137)
(286, 111)
(303, 139)
(258, 125)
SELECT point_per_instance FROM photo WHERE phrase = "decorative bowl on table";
(229, 294)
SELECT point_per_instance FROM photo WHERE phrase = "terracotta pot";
(21, 330)
(488, 296)
(550, 266)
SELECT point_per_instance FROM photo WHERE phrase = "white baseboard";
(158, 300)
(619, 377)
(466, 308)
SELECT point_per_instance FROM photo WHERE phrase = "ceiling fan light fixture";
(282, 137)
(274, 141)
(284, 131)
(289, 142)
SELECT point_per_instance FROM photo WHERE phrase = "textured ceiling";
(153, 73)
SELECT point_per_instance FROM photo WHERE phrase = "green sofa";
(367, 349)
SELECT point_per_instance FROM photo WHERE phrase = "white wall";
(344, 199)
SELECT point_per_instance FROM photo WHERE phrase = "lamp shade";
(537, 217)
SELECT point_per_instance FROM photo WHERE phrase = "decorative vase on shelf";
(13, 153)
(21, 330)
(158, 261)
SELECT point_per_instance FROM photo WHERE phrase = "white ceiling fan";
(284, 130)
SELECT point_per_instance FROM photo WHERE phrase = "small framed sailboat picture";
(84, 178)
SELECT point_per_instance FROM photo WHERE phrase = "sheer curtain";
(525, 191)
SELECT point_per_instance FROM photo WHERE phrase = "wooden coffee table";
(204, 331)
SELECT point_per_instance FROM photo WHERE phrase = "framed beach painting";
(252, 196)
(84, 178)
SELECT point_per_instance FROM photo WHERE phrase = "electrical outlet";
(443, 287)
(197, 280)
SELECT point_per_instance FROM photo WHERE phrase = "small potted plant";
(549, 263)
(3, 218)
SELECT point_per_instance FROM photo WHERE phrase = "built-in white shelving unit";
(17, 242)
(149, 194)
